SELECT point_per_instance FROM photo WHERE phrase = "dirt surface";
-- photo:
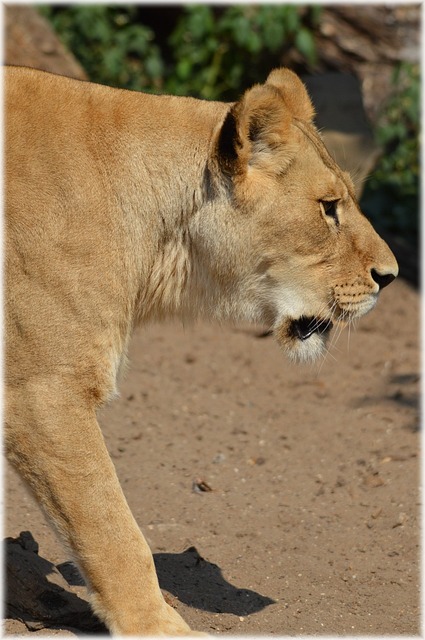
(276, 498)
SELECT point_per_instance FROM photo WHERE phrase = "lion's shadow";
(38, 594)
(200, 584)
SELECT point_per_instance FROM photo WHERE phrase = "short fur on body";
(123, 208)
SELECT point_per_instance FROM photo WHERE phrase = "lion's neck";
(171, 184)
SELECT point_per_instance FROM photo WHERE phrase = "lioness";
(123, 208)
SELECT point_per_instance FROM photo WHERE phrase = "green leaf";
(304, 42)
(184, 68)
(154, 66)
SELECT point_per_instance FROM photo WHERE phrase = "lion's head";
(289, 243)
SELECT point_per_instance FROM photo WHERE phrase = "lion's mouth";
(304, 327)
(303, 338)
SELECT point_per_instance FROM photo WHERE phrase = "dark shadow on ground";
(37, 594)
(200, 584)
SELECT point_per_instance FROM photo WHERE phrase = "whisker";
(323, 360)
(330, 308)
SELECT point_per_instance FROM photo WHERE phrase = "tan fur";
(124, 208)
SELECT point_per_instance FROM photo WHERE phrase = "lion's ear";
(256, 133)
(293, 92)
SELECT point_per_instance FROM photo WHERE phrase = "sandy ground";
(312, 522)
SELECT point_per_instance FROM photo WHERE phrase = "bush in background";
(219, 53)
(211, 53)
(111, 44)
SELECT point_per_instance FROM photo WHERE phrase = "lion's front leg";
(57, 446)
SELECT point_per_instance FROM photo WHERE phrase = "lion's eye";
(329, 208)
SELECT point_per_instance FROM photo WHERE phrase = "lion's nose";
(382, 279)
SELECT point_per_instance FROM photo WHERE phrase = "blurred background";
(361, 66)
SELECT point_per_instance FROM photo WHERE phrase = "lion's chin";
(304, 339)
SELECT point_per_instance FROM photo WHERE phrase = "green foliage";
(210, 52)
(218, 53)
(111, 45)
(391, 197)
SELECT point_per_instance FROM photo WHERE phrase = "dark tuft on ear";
(228, 143)
(254, 129)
